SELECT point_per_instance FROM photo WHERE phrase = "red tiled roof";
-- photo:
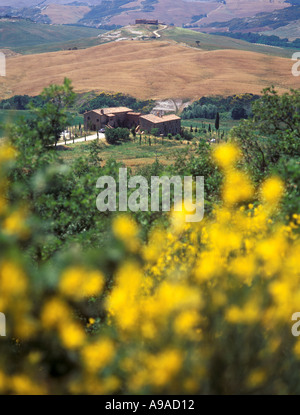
(112, 110)
(157, 120)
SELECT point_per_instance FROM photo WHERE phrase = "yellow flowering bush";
(200, 308)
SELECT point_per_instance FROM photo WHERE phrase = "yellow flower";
(208, 266)
(15, 224)
(78, 283)
(123, 302)
(244, 267)
(54, 313)
(272, 190)
(23, 385)
(97, 355)
(297, 349)
(12, 279)
(3, 204)
(186, 322)
(3, 381)
(126, 229)
(237, 187)
(256, 378)
(164, 366)
(7, 153)
(72, 335)
(233, 314)
(226, 155)
(248, 314)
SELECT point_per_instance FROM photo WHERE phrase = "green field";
(27, 37)
(225, 125)
(213, 42)
(131, 153)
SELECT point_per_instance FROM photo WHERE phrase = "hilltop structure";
(126, 117)
(145, 21)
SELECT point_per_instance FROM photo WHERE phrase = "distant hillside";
(259, 23)
(291, 31)
(26, 37)
(22, 35)
(123, 12)
(149, 70)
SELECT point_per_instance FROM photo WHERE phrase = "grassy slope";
(212, 42)
(189, 38)
(23, 36)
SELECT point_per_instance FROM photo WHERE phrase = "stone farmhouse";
(165, 124)
(111, 117)
(127, 118)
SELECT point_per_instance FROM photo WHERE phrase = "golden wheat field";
(155, 70)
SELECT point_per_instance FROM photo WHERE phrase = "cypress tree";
(217, 121)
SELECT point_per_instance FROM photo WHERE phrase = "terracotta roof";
(134, 113)
(113, 110)
(157, 120)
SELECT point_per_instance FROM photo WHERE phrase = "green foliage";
(133, 131)
(21, 102)
(208, 107)
(105, 100)
(155, 132)
(217, 121)
(95, 150)
(201, 164)
(34, 137)
(238, 113)
(186, 135)
(113, 135)
(271, 139)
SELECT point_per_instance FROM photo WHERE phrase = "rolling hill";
(23, 35)
(268, 21)
(157, 70)
(123, 12)
(291, 31)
